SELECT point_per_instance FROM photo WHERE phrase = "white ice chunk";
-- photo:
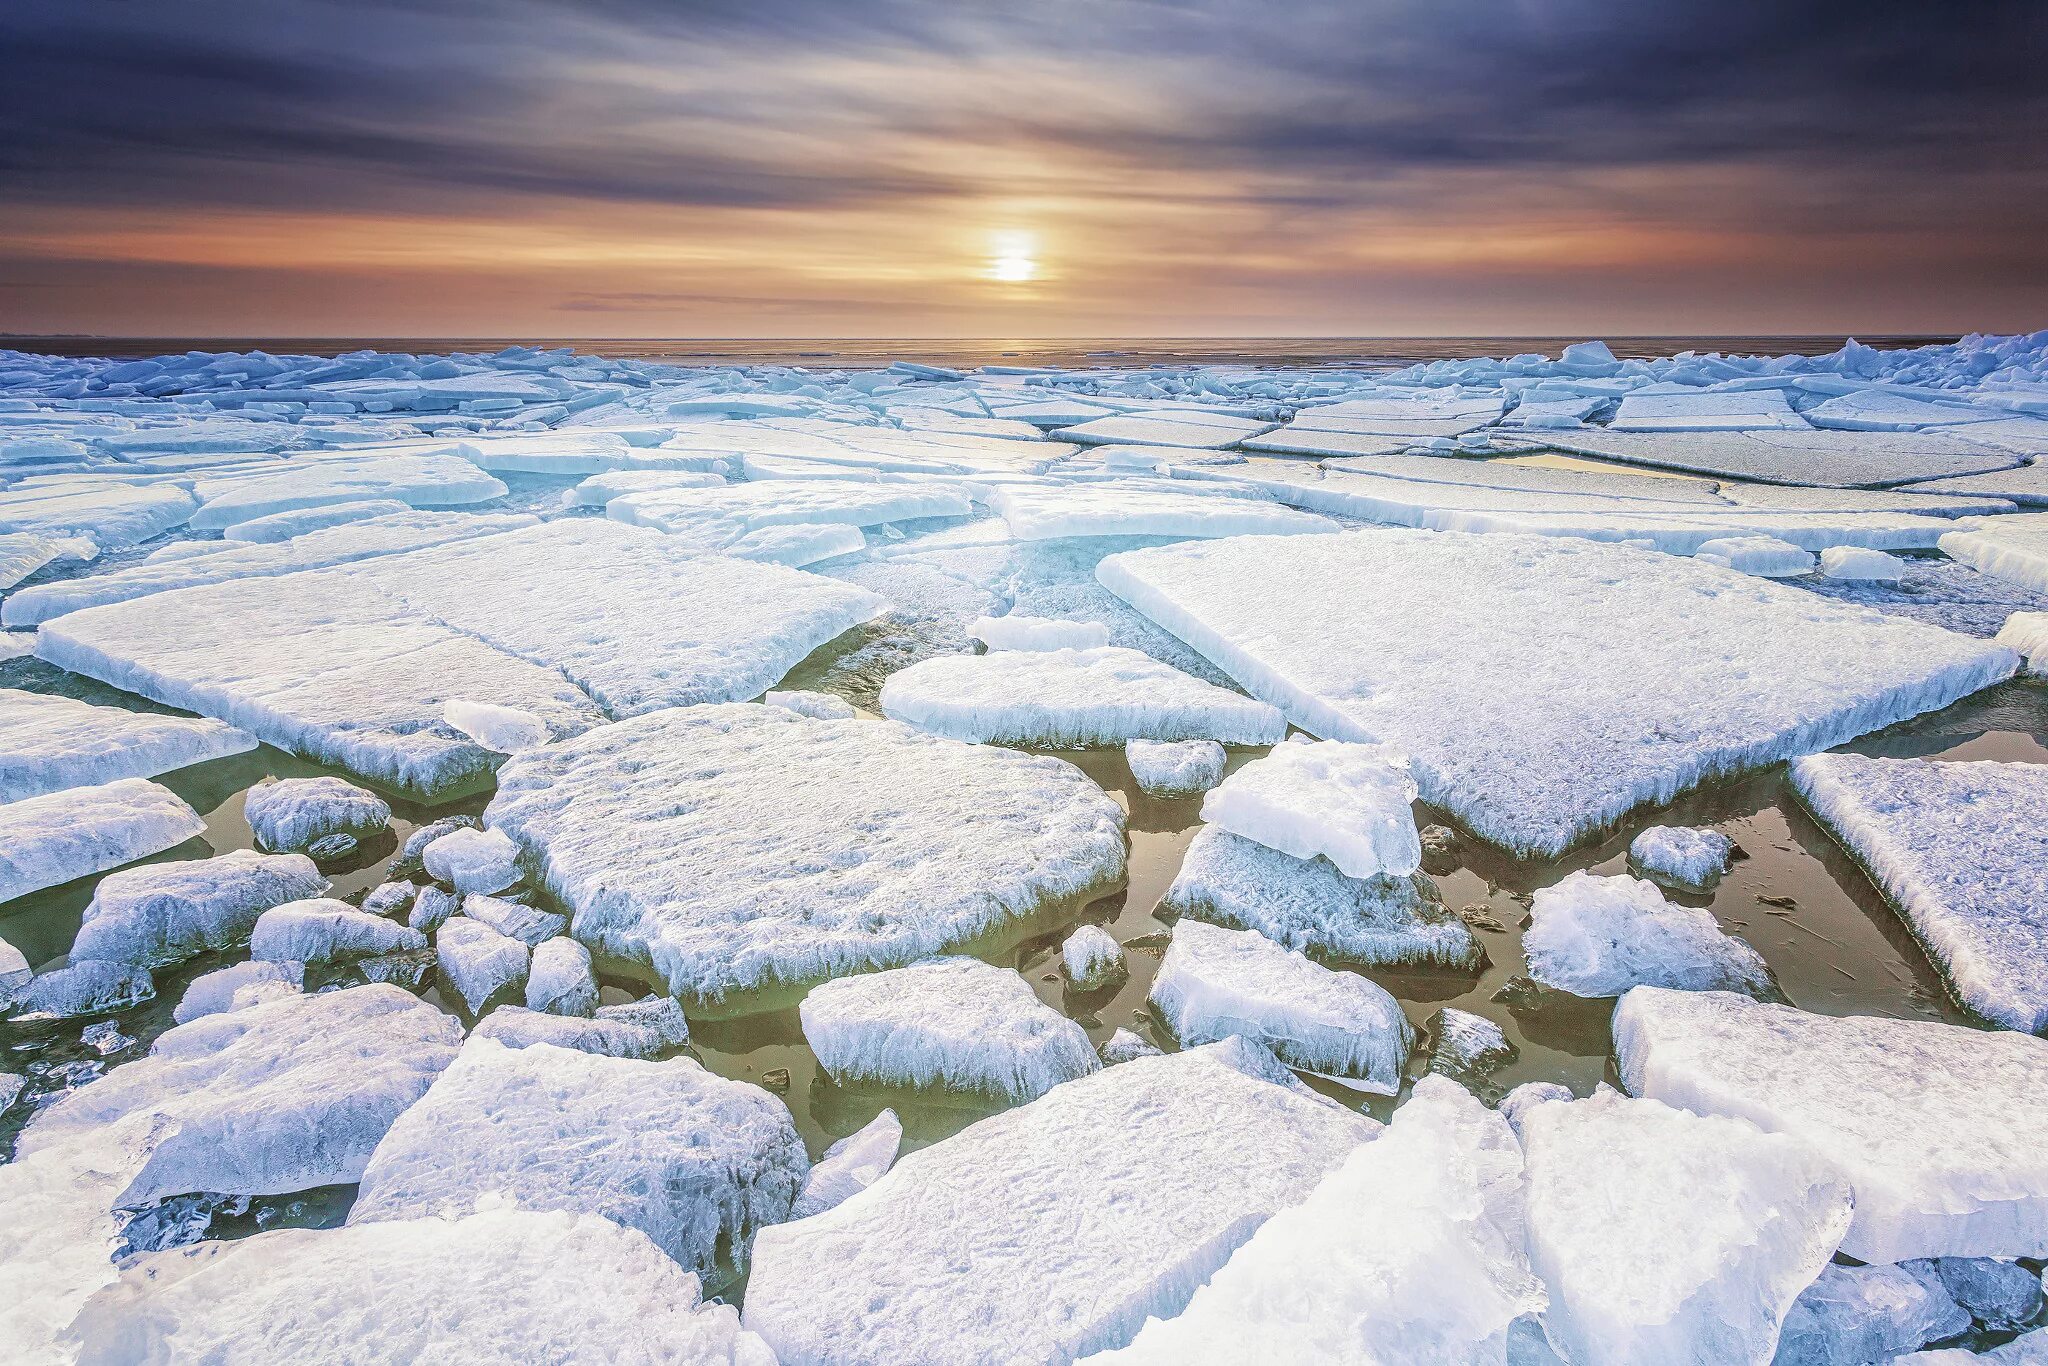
(113, 515)
(1877, 411)
(54, 838)
(50, 743)
(1825, 458)
(797, 546)
(1037, 633)
(530, 926)
(2027, 634)
(1599, 936)
(1175, 768)
(955, 1023)
(1166, 427)
(1049, 513)
(1856, 563)
(1672, 1237)
(505, 730)
(211, 993)
(1765, 556)
(1214, 983)
(1122, 1046)
(850, 1166)
(1348, 803)
(22, 554)
(296, 813)
(1682, 856)
(2011, 548)
(565, 452)
(166, 912)
(420, 481)
(560, 981)
(737, 846)
(819, 706)
(1092, 958)
(1961, 850)
(1937, 1126)
(473, 860)
(1855, 1314)
(283, 526)
(723, 515)
(638, 1029)
(479, 962)
(323, 930)
(900, 1274)
(90, 987)
(600, 489)
(1705, 411)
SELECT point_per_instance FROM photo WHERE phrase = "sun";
(1013, 258)
(1012, 270)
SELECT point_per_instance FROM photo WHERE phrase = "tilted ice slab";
(1854, 1314)
(2027, 632)
(283, 526)
(1962, 850)
(1344, 802)
(1410, 1251)
(797, 546)
(422, 481)
(562, 452)
(600, 489)
(1833, 459)
(54, 838)
(2012, 548)
(1306, 904)
(1672, 1237)
(1167, 427)
(1542, 687)
(1047, 513)
(850, 1166)
(114, 515)
(22, 554)
(1877, 411)
(694, 1161)
(167, 912)
(1705, 411)
(1766, 557)
(238, 986)
(1599, 936)
(50, 743)
(503, 1285)
(1937, 1126)
(1069, 699)
(297, 813)
(957, 1023)
(726, 514)
(1215, 982)
(738, 846)
(927, 1265)
(2026, 485)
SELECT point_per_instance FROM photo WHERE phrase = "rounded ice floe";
(211, 993)
(1175, 768)
(473, 860)
(86, 988)
(850, 1166)
(479, 962)
(2027, 633)
(560, 981)
(51, 839)
(1214, 983)
(296, 813)
(431, 907)
(283, 526)
(164, 913)
(1092, 958)
(323, 930)
(1348, 803)
(506, 730)
(954, 1023)
(1764, 556)
(408, 863)
(1037, 633)
(819, 706)
(1600, 936)
(1682, 856)
(389, 898)
(635, 1029)
(1861, 564)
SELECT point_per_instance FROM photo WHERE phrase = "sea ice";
(1599, 936)
(1051, 513)
(283, 526)
(1465, 1046)
(560, 981)
(1962, 851)
(88, 987)
(1091, 958)
(1411, 1251)
(515, 920)
(1349, 803)
(1124, 1164)
(1214, 983)
(850, 1166)
(1673, 1237)
(2011, 548)
(1937, 1126)
(1166, 427)
(1306, 904)
(1830, 459)
(1998, 1294)
(1123, 1046)
(297, 813)
(1681, 856)
(165, 913)
(600, 489)
(473, 861)
(1856, 1314)
(797, 546)
(211, 993)
(819, 706)
(2026, 633)
(636, 1029)
(737, 846)
(694, 1161)
(1514, 671)
(956, 1023)
(1856, 563)
(1037, 633)
(1705, 411)
(721, 516)
(431, 907)
(1070, 699)
(479, 962)
(59, 836)
(112, 515)
(323, 930)
(420, 481)
(505, 730)
(15, 974)
(557, 453)
(48, 743)
(1877, 411)
(1175, 768)
(1765, 556)
(22, 554)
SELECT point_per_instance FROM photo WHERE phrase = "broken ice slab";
(901, 1274)
(49, 743)
(797, 546)
(600, 489)
(2027, 633)
(1681, 857)
(556, 453)
(1538, 724)
(725, 514)
(54, 838)
(2011, 548)
(1599, 936)
(560, 981)
(1693, 410)
(113, 515)
(283, 526)
(22, 554)
(1825, 458)
(696, 1162)
(1037, 633)
(1767, 557)
(1854, 1314)
(850, 1166)
(1363, 439)
(1962, 851)
(1072, 699)
(164, 913)
(297, 813)
(1175, 768)
(1937, 1126)
(421, 481)
(636, 1029)
(322, 930)
(2026, 485)
(478, 962)
(955, 1023)
(1050, 513)
(1347, 803)
(1878, 411)
(230, 988)
(742, 846)
(1166, 427)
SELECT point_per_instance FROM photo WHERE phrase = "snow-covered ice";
(819, 706)
(473, 861)
(297, 813)
(635, 1029)
(22, 554)
(1175, 768)
(740, 846)
(75, 833)
(1465, 1046)
(1037, 633)
(506, 730)
(2027, 634)
(1041, 513)
(560, 981)
(900, 1274)
(1348, 803)
(1123, 1046)
(1937, 1126)
(323, 930)
(111, 515)
(1681, 856)
(955, 1023)
(1091, 958)
(479, 962)
(1764, 556)
(213, 992)
(718, 517)
(165, 913)
(1961, 849)
(1599, 936)
(420, 481)
(1215, 982)
(1858, 564)
(88, 987)
(2011, 548)
(51, 743)
(850, 1166)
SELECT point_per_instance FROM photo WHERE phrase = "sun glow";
(1013, 258)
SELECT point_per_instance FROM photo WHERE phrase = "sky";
(1038, 168)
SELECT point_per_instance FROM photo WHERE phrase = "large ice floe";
(1541, 688)
(415, 480)
(1961, 849)
(1041, 513)
(1117, 1174)
(743, 846)
(1070, 699)
(51, 743)
(1936, 1126)
(53, 838)
(167, 912)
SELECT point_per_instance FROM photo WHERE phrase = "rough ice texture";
(59, 836)
(560, 981)
(22, 554)
(1673, 1237)
(503, 1285)
(1764, 556)
(1467, 1045)
(850, 1166)
(283, 526)
(819, 706)
(113, 515)
(1999, 1295)
(797, 546)
(719, 517)
(740, 846)
(1599, 936)
(1048, 513)
(1092, 958)
(1037, 633)
(2012, 548)
(1411, 1251)
(50, 743)
(1347, 803)
(1961, 849)
(1695, 411)
(556, 453)
(1937, 1126)
(212, 993)
(955, 1023)
(1306, 904)
(431, 907)
(600, 489)
(506, 730)
(1175, 768)
(167, 912)
(473, 861)
(927, 1265)
(1542, 687)
(479, 962)
(1828, 459)
(85, 988)
(1681, 856)
(421, 481)
(2027, 633)
(1070, 699)
(296, 813)
(323, 930)
(1167, 427)
(1122, 1046)
(694, 1161)
(1856, 1314)
(1858, 564)
(637, 1029)
(515, 919)
(1215, 982)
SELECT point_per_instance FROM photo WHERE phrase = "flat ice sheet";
(50, 743)
(1056, 512)
(1167, 427)
(1830, 459)
(416, 480)
(1515, 671)
(1706, 411)
(728, 513)
(114, 515)
(51, 839)
(1961, 849)
(2012, 548)
(2026, 485)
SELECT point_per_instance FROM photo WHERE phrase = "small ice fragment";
(1681, 856)
(323, 930)
(1092, 958)
(389, 898)
(1348, 803)
(850, 1166)
(1123, 1046)
(1175, 768)
(1765, 556)
(473, 860)
(560, 981)
(504, 730)
(296, 813)
(283, 526)
(1857, 562)
(1037, 633)
(1999, 1294)
(1516, 1104)
(514, 919)
(820, 706)
(1856, 1314)
(105, 1038)
(408, 863)
(213, 992)
(1465, 1046)
(87, 988)
(637, 1029)
(1599, 936)
(431, 908)
(479, 962)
